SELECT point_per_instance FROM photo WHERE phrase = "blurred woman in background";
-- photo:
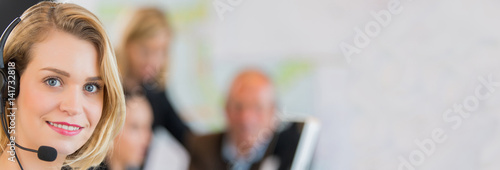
(143, 59)
(131, 145)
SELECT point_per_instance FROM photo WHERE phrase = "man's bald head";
(254, 81)
(250, 107)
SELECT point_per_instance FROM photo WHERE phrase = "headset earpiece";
(5, 69)
(10, 78)
(3, 84)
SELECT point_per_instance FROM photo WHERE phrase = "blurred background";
(376, 106)
(372, 109)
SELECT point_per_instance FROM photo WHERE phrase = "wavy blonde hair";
(36, 22)
(141, 24)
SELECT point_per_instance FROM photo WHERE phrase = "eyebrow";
(55, 70)
(66, 74)
(93, 79)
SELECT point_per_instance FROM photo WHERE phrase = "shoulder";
(205, 151)
(204, 142)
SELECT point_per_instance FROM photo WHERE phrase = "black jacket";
(166, 116)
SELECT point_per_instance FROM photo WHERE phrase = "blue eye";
(53, 82)
(92, 88)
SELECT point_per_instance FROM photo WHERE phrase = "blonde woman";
(143, 59)
(70, 96)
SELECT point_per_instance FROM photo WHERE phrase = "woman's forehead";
(66, 52)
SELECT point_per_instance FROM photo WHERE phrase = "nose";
(71, 103)
(247, 118)
(157, 60)
(154, 64)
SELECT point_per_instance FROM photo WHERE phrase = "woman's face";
(132, 142)
(61, 94)
(148, 56)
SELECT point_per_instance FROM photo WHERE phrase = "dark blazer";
(206, 151)
(166, 116)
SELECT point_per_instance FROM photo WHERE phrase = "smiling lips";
(64, 128)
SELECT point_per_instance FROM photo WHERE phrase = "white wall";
(373, 108)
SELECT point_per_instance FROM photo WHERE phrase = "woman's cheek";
(94, 116)
(93, 110)
(39, 99)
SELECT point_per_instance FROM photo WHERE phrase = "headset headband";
(5, 35)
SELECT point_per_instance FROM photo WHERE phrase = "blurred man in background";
(250, 137)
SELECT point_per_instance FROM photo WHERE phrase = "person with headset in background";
(70, 103)
(142, 55)
(131, 145)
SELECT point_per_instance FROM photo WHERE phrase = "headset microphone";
(45, 153)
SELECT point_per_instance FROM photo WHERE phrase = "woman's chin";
(66, 148)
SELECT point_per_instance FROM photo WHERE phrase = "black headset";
(45, 153)
(3, 70)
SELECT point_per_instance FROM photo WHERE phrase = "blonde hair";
(142, 24)
(36, 22)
